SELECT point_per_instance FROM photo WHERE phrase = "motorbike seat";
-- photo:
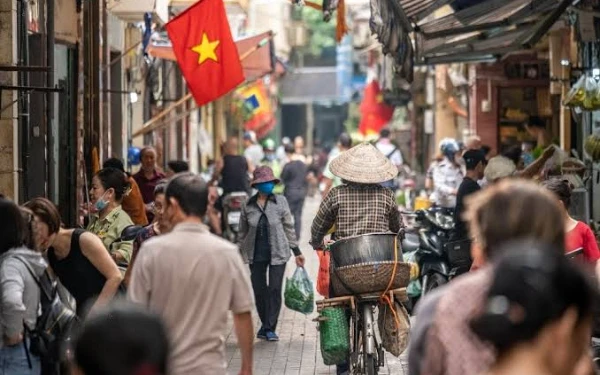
(410, 243)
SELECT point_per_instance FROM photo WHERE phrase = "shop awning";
(476, 30)
(257, 64)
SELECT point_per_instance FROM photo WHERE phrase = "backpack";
(53, 327)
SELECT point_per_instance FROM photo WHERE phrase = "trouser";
(13, 361)
(267, 295)
(296, 204)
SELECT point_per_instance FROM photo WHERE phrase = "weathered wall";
(8, 123)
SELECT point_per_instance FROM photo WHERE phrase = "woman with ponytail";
(537, 314)
(579, 235)
(109, 186)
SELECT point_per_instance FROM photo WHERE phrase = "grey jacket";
(19, 292)
(281, 229)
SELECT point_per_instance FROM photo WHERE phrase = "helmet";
(269, 144)
(449, 147)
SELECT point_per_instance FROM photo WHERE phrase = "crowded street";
(300, 187)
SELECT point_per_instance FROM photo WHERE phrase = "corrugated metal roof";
(415, 8)
(491, 28)
(309, 84)
(492, 13)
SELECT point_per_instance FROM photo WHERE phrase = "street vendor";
(360, 205)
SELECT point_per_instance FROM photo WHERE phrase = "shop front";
(505, 95)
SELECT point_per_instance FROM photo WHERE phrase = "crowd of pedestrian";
(524, 309)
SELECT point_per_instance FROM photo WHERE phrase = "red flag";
(375, 112)
(205, 50)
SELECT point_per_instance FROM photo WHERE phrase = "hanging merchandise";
(395, 40)
(592, 147)
(585, 93)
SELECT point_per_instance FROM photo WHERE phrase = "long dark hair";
(112, 178)
(534, 285)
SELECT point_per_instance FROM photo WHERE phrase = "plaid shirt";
(356, 210)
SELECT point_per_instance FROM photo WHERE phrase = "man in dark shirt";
(295, 179)
(475, 163)
(147, 179)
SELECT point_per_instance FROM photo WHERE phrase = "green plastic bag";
(335, 336)
(299, 295)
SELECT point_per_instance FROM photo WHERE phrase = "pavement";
(297, 352)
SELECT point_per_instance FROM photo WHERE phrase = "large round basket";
(369, 277)
(375, 247)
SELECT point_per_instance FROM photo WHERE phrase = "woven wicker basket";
(369, 277)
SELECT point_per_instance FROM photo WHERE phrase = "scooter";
(232, 213)
(425, 246)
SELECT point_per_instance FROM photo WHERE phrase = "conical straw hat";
(363, 164)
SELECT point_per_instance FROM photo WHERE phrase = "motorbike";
(425, 246)
(232, 213)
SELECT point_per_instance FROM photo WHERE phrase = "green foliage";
(353, 120)
(321, 33)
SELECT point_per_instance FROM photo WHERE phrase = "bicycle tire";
(370, 365)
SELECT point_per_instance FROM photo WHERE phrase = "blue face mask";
(265, 187)
(101, 203)
(270, 157)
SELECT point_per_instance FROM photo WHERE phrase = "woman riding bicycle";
(360, 205)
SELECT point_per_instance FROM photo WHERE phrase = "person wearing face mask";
(109, 186)
(78, 258)
(266, 237)
(270, 160)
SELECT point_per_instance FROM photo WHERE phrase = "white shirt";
(255, 154)
(447, 177)
(390, 151)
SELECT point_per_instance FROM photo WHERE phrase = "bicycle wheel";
(370, 365)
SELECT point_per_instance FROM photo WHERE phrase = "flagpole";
(152, 125)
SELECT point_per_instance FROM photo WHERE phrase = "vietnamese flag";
(376, 114)
(205, 51)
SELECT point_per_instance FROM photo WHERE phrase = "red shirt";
(582, 237)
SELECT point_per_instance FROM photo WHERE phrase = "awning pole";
(116, 59)
(165, 112)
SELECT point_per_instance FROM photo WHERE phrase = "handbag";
(323, 276)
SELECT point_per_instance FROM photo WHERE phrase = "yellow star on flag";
(206, 49)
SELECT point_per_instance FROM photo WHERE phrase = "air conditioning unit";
(133, 10)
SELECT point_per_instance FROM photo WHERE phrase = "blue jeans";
(13, 361)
